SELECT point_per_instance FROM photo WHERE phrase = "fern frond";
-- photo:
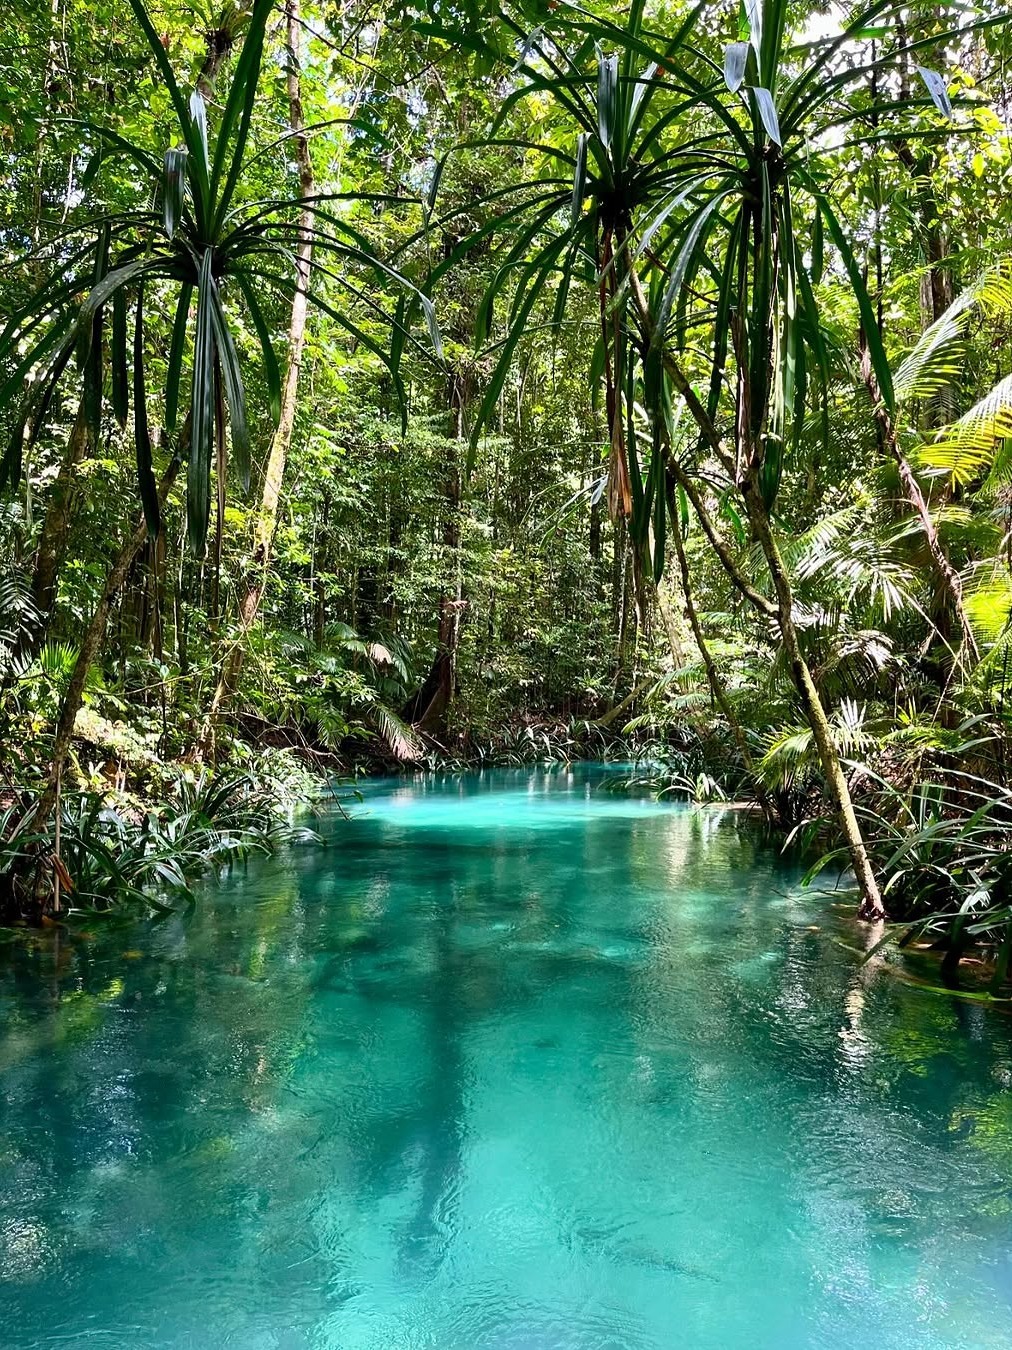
(382, 655)
(987, 596)
(805, 554)
(57, 660)
(935, 362)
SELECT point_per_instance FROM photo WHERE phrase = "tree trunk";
(253, 582)
(947, 574)
(89, 649)
(430, 706)
(871, 898)
(52, 545)
(936, 282)
(606, 719)
(321, 552)
(717, 690)
(670, 626)
(218, 44)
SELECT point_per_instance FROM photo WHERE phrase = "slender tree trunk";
(717, 690)
(430, 706)
(947, 574)
(871, 898)
(606, 719)
(936, 283)
(871, 907)
(594, 543)
(253, 582)
(321, 553)
(218, 44)
(52, 546)
(91, 642)
(670, 626)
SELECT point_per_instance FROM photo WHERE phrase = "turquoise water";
(516, 1064)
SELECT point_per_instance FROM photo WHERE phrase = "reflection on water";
(516, 1064)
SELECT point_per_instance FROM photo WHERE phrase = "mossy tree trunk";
(741, 468)
(871, 907)
(713, 678)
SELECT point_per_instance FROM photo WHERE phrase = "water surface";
(514, 1064)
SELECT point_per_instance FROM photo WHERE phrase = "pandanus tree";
(202, 247)
(620, 164)
(698, 199)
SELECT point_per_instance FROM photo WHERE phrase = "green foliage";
(943, 845)
(202, 244)
(111, 854)
(683, 261)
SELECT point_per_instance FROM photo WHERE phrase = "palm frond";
(976, 443)
(404, 742)
(935, 361)
(791, 749)
(807, 553)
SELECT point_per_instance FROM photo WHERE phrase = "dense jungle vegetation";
(438, 384)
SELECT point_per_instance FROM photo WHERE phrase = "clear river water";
(516, 1063)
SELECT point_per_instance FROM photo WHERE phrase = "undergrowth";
(110, 848)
